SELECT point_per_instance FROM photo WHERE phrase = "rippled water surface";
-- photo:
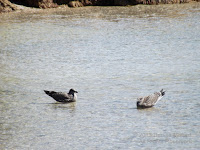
(111, 56)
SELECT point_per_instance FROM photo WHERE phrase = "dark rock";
(61, 2)
(121, 2)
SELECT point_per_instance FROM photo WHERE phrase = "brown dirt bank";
(12, 5)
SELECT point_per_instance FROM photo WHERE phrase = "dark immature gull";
(63, 97)
(151, 100)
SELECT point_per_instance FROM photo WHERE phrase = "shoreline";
(161, 10)
(22, 8)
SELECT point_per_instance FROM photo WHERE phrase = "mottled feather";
(151, 100)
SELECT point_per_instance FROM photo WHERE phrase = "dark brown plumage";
(63, 97)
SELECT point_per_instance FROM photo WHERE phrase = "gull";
(151, 100)
(63, 97)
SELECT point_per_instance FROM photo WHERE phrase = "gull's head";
(162, 92)
(72, 91)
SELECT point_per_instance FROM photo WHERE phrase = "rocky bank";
(12, 5)
(6, 6)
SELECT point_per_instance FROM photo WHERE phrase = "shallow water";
(111, 56)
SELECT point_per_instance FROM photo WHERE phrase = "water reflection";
(69, 106)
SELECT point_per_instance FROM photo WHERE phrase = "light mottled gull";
(63, 97)
(151, 100)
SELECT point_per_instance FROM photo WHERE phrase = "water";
(111, 56)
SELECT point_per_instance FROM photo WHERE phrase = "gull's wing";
(150, 100)
(60, 96)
